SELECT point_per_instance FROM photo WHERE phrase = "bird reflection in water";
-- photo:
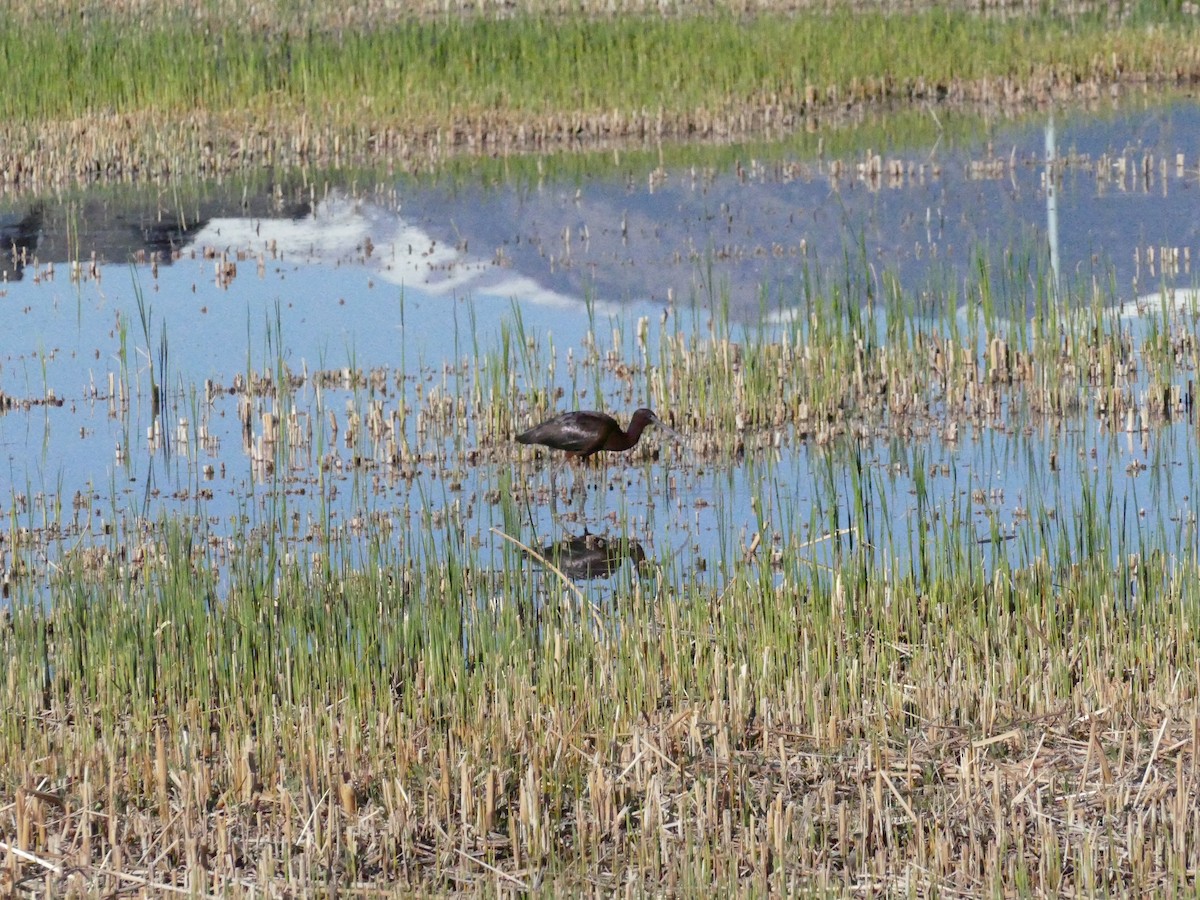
(589, 556)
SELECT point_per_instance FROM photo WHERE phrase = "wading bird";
(582, 433)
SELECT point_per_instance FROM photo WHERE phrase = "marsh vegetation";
(161, 90)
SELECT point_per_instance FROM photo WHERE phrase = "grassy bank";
(192, 92)
(459, 70)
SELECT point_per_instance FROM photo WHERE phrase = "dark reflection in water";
(590, 556)
(165, 238)
(134, 226)
(19, 242)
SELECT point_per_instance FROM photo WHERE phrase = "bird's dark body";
(584, 432)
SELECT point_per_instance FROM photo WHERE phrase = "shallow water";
(415, 288)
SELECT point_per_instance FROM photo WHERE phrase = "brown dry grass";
(728, 794)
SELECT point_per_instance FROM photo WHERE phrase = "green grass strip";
(416, 71)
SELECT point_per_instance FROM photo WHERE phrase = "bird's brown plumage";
(584, 432)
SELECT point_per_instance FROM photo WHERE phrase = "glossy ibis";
(582, 433)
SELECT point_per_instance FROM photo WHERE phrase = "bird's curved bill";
(668, 429)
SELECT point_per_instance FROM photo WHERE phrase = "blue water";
(417, 284)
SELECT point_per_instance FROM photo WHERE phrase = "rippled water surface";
(145, 344)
